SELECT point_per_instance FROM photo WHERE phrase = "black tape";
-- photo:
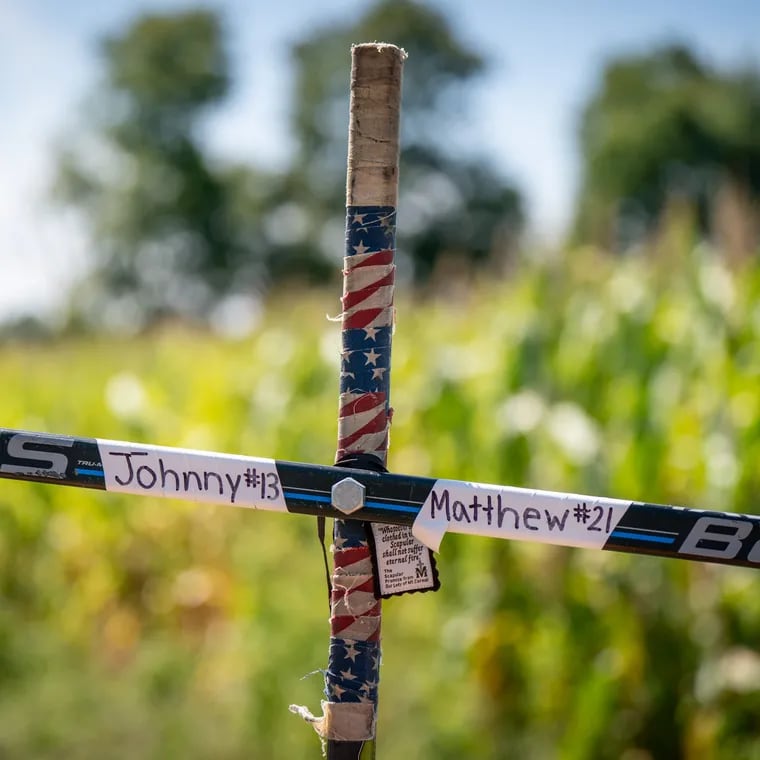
(358, 461)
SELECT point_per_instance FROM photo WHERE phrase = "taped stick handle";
(373, 130)
(369, 268)
(364, 411)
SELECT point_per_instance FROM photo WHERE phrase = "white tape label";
(518, 513)
(192, 475)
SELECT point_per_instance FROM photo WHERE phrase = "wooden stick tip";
(379, 47)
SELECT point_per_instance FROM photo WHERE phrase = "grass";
(156, 629)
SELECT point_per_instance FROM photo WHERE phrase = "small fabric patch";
(402, 564)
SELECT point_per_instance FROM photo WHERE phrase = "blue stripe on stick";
(307, 496)
(642, 537)
(300, 495)
(83, 471)
(392, 507)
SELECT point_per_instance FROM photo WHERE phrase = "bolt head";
(348, 495)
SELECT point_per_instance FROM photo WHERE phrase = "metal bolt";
(348, 495)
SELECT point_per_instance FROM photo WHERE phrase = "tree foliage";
(451, 206)
(664, 126)
(174, 233)
(158, 210)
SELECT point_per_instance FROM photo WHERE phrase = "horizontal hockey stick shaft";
(431, 506)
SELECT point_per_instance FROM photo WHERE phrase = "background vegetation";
(176, 233)
(624, 365)
(138, 628)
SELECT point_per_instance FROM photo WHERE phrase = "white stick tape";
(518, 513)
(193, 475)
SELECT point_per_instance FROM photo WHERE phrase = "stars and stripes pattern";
(354, 661)
(369, 271)
(363, 422)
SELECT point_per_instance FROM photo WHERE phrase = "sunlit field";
(141, 628)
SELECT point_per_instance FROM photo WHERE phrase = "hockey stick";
(349, 719)
(431, 506)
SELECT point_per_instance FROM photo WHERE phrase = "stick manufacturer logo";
(50, 464)
(720, 538)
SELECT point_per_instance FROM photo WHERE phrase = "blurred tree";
(176, 234)
(665, 126)
(452, 206)
(162, 215)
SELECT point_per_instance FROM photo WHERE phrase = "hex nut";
(348, 495)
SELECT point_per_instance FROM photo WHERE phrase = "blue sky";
(544, 61)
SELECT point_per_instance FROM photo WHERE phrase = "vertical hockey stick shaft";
(364, 418)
